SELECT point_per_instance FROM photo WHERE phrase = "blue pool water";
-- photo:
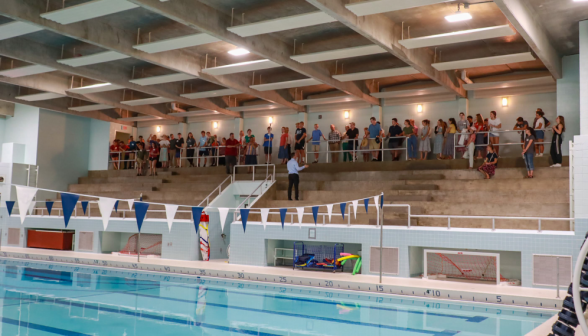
(58, 299)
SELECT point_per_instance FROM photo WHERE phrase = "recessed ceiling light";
(239, 52)
(580, 0)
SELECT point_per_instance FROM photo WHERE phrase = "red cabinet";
(53, 240)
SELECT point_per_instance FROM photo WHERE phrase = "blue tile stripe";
(40, 327)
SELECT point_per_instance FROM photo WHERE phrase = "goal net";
(150, 244)
(463, 265)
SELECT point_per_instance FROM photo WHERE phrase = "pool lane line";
(40, 327)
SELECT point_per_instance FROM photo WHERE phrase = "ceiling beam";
(384, 32)
(210, 21)
(9, 92)
(528, 24)
(106, 35)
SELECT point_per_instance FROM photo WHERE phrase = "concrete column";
(183, 128)
(568, 98)
(463, 105)
(377, 113)
(238, 126)
(303, 116)
(584, 77)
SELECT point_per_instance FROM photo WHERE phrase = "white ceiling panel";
(458, 37)
(410, 93)
(241, 67)
(146, 101)
(102, 87)
(176, 43)
(382, 6)
(210, 94)
(95, 107)
(141, 118)
(256, 107)
(285, 85)
(16, 28)
(194, 113)
(106, 56)
(26, 71)
(40, 96)
(376, 74)
(338, 54)
(178, 77)
(510, 84)
(484, 61)
(327, 100)
(88, 10)
(281, 24)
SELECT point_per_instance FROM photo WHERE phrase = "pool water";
(58, 299)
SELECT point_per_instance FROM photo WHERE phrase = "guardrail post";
(557, 274)
(493, 224)
(539, 225)
(448, 223)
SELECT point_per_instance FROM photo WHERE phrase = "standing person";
(232, 152)
(132, 146)
(163, 146)
(141, 158)
(300, 138)
(222, 152)
(283, 152)
(425, 139)
(521, 126)
(153, 156)
(495, 126)
(115, 154)
(449, 146)
(293, 177)
(394, 141)
(248, 136)
(242, 147)
(411, 141)
(210, 150)
(213, 150)
(539, 126)
(470, 146)
(438, 145)
(202, 152)
(529, 151)
(488, 168)
(124, 156)
(179, 148)
(334, 143)
(345, 146)
(316, 142)
(251, 153)
(190, 145)
(172, 150)
(364, 147)
(556, 140)
(353, 135)
(415, 128)
(480, 137)
(462, 127)
(375, 131)
(470, 121)
(268, 143)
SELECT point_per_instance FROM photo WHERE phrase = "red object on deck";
(53, 240)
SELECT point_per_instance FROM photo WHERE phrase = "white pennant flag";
(264, 214)
(106, 205)
(24, 196)
(131, 202)
(329, 210)
(300, 215)
(170, 213)
(354, 203)
(32, 208)
(223, 212)
(376, 200)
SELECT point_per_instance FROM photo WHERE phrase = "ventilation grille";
(13, 236)
(86, 241)
(545, 270)
(389, 260)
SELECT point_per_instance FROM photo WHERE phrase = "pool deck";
(448, 290)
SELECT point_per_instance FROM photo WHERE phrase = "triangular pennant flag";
(196, 213)
(131, 202)
(25, 196)
(32, 208)
(366, 202)
(329, 211)
(354, 203)
(343, 205)
(170, 214)
(376, 202)
(315, 213)
(84, 206)
(140, 212)
(283, 216)
(49, 206)
(9, 207)
(106, 205)
(68, 203)
(116, 207)
(264, 214)
(381, 201)
(300, 215)
(244, 216)
(223, 212)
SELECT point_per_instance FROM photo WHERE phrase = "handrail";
(251, 194)
(576, 287)
(273, 175)
(571, 178)
(219, 188)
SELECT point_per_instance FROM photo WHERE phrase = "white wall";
(568, 98)
(2, 125)
(23, 128)
(98, 147)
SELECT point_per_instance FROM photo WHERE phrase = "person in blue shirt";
(316, 142)
(375, 131)
(132, 149)
(203, 152)
(293, 178)
(268, 140)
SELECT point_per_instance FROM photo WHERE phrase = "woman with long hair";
(190, 144)
(449, 146)
(529, 150)
(556, 140)
(480, 137)
(425, 139)
(365, 145)
(411, 140)
(163, 148)
(283, 152)
(438, 144)
(488, 168)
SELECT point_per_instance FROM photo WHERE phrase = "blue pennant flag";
(68, 202)
(366, 202)
(244, 217)
(343, 209)
(315, 213)
(196, 214)
(49, 207)
(283, 216)
(140, 212)
(381, 201)
(10, 206)
(84, 206)
(116, 207)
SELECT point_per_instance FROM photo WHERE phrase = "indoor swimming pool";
(59, 299)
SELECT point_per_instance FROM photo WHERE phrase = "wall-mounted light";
(270, 120)
(419, 108)
(158, 129)
(215, 125)
(504, 101)
(346, 114)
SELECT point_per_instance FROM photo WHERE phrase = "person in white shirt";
(495, 126)
(539, 127)
(293, 178)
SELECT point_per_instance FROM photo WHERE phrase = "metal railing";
(467, 134)
(267, 171)
(243, 203)
(218, 189)
(355, 150)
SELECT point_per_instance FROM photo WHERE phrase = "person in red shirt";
(231, 153)
(115, 153)
(153, 156)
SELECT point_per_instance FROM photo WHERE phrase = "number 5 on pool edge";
(380, 288)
